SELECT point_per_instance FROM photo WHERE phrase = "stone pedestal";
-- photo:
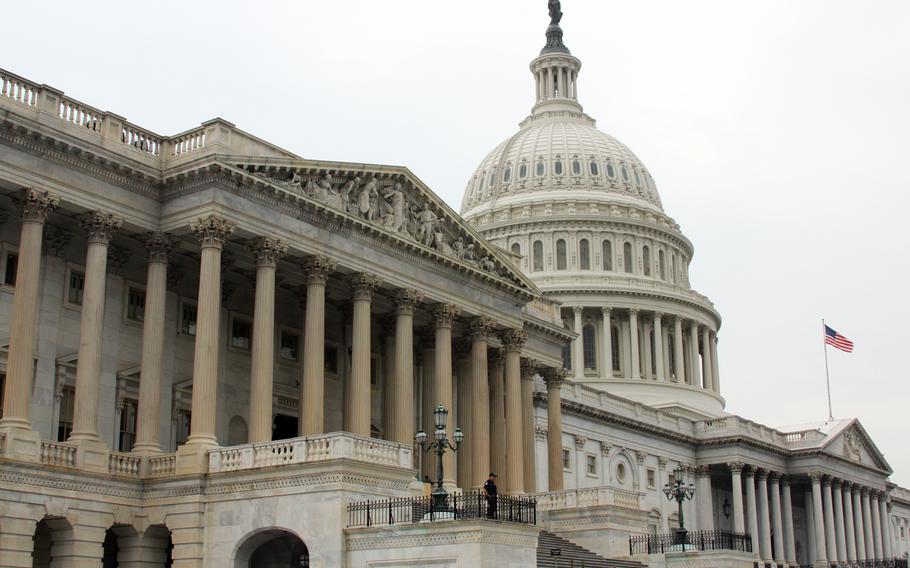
(19, 444)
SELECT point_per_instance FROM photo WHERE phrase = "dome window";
(493, 177)
(637, 178)
(610, 171)
(576, 167)
(561, 255)
(646, 260)
(537, 256)
(507, 175)
(625, 172)
(594, 170)
(557, 168)
(661, 265)
(587, 334)
(540, 169)
(516, 249)
(523, 171)
(607, 254)
(627, 257)
(584, 255)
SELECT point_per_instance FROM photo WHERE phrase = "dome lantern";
(555, 70)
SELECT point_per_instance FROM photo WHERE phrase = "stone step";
(573, 556)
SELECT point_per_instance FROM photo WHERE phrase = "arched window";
(576, 167)
(493, 176)
(671, 354)
(610, 171)
(557, 168)
(627, 257)
(614, 341)
(625, 172)
(561, 254)
(523, 171)
(480, 189)
(516, 249)
(646, 259)
(607, 255)
(507, 175)
(637, 179)
(584, 255)
(661, 265)
(595, 171)
(588, 338)
(537, 260)
(540, 169)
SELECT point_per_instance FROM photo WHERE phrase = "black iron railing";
(696, 540)
(457, 506)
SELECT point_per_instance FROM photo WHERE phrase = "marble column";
(659, 347)
(513, 341)
(608, 344)
(764, 517)
(752, 508)
(860, 518)
(148, 428)
(828, 509)
(100, 227)
(821, 550)
(312, 387)
(715, 367)
(849, 515)
(633, 343)
(647, 359)
(777, 518)
(528, 369)
(809, 507)
(876, 525)
(443, 317)
(404, 423)
(34, 207)
(497, 426)
(554, 379)
(703, 495)
(868, 534)
(693, 354)
(706, 358)
(481, 328)
(886, 528)
(425, 380)
(679, 370)
(578, 347)
(736, 487)
(840, 536)
(363, 286)
(789, 537)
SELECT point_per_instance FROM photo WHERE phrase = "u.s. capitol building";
(214, 352)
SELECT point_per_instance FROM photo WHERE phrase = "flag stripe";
(837, 340)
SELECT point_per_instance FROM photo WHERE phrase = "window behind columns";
(614, 340)
(9, 272)
(588, 337)
(607, 251)
(516, 249)
(65, 423)
(2, 391)
(537, 257)
(128, 425)
(566, 357)
(627, 257)
(561, 254)
(646, 259)
(584, 255)
(661, 262)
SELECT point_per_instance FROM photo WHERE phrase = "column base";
(193, 458)
(92, 455)
(821, 564)
(147, 449)
(20, 444)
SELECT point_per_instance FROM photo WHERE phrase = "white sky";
(777, 132)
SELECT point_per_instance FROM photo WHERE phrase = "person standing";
(489, 489)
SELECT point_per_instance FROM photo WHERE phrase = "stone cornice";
(640, 294)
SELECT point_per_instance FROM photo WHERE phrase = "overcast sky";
(777, 133)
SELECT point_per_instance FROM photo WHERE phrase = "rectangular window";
(566, 460)
(182, 432)
(241, 334)
(65, 424)
(290, 345)
(374, 371)
(75, 288)
(188, 319)
(135, 304)
(2, 391)
(331, 359)
(591, 462)
(671, 480)
(652, 479)
(128, 425)
(12, 263)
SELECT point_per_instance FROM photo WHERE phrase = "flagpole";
(827, 377)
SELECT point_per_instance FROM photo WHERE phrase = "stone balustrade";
(589, 497)
(339, 445)
(161, 466)
(124, 464)
(58, 454)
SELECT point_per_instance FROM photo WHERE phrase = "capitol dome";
(580, 215)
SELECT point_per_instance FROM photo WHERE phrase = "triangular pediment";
(391, 200)
(852, 442)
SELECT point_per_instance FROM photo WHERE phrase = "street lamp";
(440, 444)
(679, 492)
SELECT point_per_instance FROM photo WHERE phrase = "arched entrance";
(272, 548)
(49, 533)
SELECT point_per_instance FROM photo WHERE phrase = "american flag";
(838, 340)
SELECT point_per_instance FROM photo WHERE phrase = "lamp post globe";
(439, 444)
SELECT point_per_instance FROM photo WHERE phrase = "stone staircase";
(573, 556)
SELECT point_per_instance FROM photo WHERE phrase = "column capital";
(736, 466)
(481, 327)
(606, 310)
(634, 311)
(513, 339)
(774, 476)
(577, 309)
(528, 368)
(406, 299)
(554, 377)
(662, 462)
(762, 474)
(640, 457)
(826, 481)
(444, 314)
(364, 284)
(605, 448)
(847, 485)
(212, 231)
(318, 268)
(815, 477)
(658, 315)
(158, 245)
(702, 470)
(748, 471)
(837, 483)
(580, 441)
(268, 250)
(35, 205)
(865, 491)
(100, 226)
(785, 480)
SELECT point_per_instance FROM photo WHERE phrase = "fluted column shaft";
(693, 354)
(608, 344)
(777, 518)
(821, 550)
(578, 347)
(388, 373)
(876, 526)
(830, 535)
(705, 502)
(403, 419)
(150, 375)
(100, 227)
(497, 426)
(678, 360)
(554, 379)
(752, 506)
(868, 548)
(789, 537)
(715, 367)
(312, 387)
(513, 341)
(360, 419)
(528, 368)
(840, 535)
(465, 413)
(480, 401)
(764, 517)
(659, 347)
(35, 206)
(849, 526)
(886, 529)
(444, 315)
(706, 369)
(633, 343)
(736, 482)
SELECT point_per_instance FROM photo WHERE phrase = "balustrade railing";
(58, 453)
(140, 140)
(18, 89)
(124, 464)
(589, 497)
(161, 466)
(696, 540)
(458, 506)
(188, 142)
(78, 114)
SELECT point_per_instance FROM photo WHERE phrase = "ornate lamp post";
(679, 492)
(440, 444)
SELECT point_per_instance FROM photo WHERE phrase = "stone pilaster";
(554, 379)
(267, 251)
(312, 387)
(528, 369)
(148, 429)
(443, 318)
(513, 341)
(481, 327)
